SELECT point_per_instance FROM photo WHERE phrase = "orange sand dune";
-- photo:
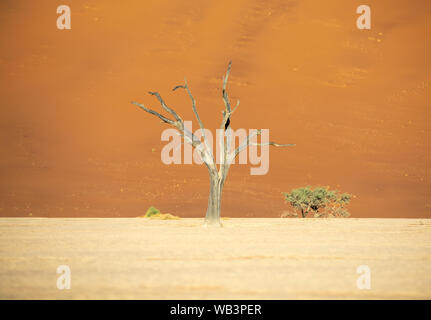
(355, 102)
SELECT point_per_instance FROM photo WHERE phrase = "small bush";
(321, 201)
(153, 213)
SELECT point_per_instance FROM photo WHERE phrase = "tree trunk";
(212, 216)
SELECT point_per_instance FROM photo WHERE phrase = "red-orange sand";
(355, 102)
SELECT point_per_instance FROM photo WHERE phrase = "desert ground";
(248, 258)
(355, 103)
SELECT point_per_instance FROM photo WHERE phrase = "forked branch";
(195, 111)
(188, 136)
(163, 118)
(164, 106)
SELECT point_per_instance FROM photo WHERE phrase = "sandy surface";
(247, 258)
(355, 102)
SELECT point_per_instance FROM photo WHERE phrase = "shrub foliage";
(320, 201)
(154, 213)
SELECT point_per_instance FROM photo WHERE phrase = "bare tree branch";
(188, 136)
(271, 143)
(224, 166)
(195, 111)
(181, 86)
(226, 115)
(163, 118)
(237, 105)
(224, 92)
(246, 143)
(227, 112)
(164, 106)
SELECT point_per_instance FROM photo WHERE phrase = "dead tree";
(217, 175)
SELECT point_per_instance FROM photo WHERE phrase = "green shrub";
(320, 200)
(151, 212)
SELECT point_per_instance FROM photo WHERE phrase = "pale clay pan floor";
(137, 258)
